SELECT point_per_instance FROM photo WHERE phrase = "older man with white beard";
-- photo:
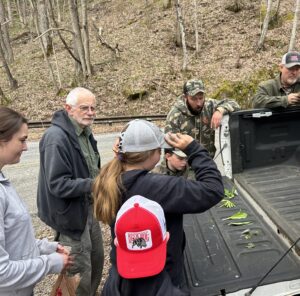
(283, 90)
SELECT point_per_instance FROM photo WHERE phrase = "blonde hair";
(108, 186)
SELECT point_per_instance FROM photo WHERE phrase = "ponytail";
(108, 187)
(107, 191)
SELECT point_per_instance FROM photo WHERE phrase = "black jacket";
(64, 184)
(177, 196)
(158, 285)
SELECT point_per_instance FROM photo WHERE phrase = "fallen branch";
(53, 29)
(60, 36)
(115, 49)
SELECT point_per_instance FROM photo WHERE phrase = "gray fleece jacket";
(24, 261)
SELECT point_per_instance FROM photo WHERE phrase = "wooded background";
(135, 55)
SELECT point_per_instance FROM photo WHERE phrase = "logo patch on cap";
(294, 58)
(136, 241)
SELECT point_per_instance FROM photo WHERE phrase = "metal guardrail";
(104, 120)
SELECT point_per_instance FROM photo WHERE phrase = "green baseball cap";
(192, 87)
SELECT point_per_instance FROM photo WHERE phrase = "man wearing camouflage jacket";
(197, 116)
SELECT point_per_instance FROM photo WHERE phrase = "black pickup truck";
(258, 254)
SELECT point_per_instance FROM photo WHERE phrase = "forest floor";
(150, 62)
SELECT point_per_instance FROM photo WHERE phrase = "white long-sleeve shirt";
(24, 261)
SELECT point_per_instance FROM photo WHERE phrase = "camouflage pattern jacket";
(271, 94)
(162, 168)
(181, 120)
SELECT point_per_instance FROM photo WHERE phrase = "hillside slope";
(149, 59)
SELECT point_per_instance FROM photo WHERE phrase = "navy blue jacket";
(158, 285)
(64, 185)
(177, 196)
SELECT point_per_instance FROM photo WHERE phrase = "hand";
(216, 119)
(293, 98)
(178, 140)
(67, 261)
(62, 250)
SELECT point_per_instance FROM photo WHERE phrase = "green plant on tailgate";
(237, 216)
(229, 194)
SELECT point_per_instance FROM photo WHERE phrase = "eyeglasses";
(85, 108)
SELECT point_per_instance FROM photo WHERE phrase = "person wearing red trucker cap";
(141, 244)
(138, 150)
(284, 89)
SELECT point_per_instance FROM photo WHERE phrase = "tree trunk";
(295, 24)
(196, 26)
(6, 46)
(182, 31)
(167, 4)
(78, 45)
(43, 23)
(277, 5)
(58, 11)
(85, 37)
(19, 11)
(24, 11)
(4, 99)
(36, 22)
(265, 26)
(12, 81)
(9, 11)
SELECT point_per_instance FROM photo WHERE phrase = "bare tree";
(294, 29)
(275, 14)
(265, 26)
(196, 26)
(9, 12)
(77, 40)
(21, 10)
(3, 97)
(36, 22)
(43, 23)
(85, 37)
(6, 46)
(167, 4)
(182, 31)
(12, 81)
(59, 35)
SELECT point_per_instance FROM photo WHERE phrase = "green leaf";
(250, 246)
(240, 223)
(227, 203)
(230, 193)
(237, 216)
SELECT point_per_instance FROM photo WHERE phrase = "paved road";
(24, 175)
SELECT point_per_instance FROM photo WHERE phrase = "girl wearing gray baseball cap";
(138, 150)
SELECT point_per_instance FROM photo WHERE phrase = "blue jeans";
(88, 256)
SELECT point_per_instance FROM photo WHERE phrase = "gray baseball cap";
(142, 135)
(179, 153)
(291, 59)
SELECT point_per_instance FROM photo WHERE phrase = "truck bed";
(276, 189)
(264, 154)
(219, 259)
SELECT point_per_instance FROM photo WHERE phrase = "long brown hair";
(108, 187)
(10, 123)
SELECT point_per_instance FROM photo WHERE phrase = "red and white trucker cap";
(141, 235)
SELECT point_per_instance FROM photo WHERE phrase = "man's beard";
(194, 112)
(291, 81)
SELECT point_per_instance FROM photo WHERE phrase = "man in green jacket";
(283, 90)
(194, 115)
